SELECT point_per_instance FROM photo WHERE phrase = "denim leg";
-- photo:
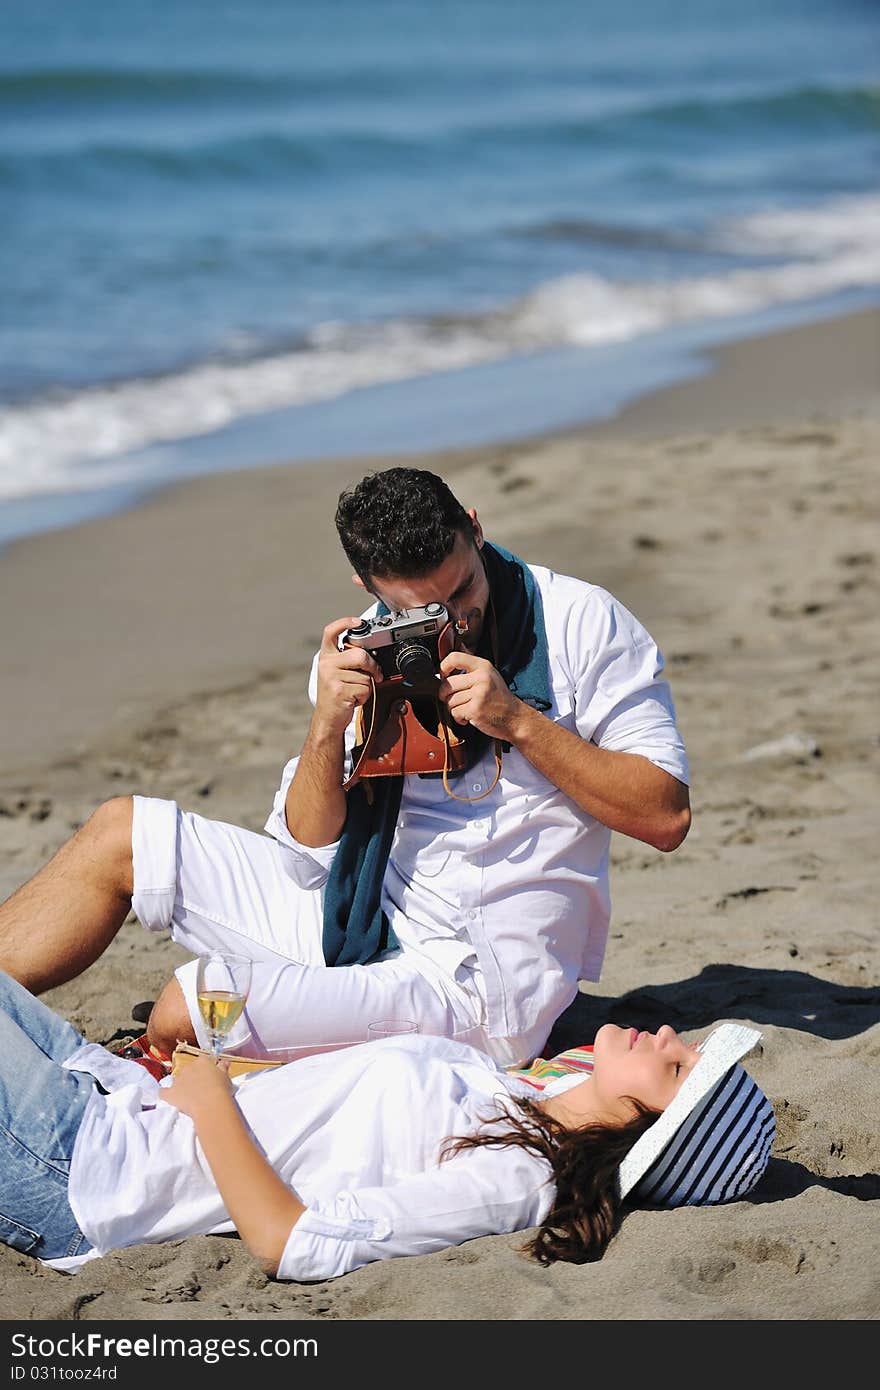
(41, 1108)
(52, 1034)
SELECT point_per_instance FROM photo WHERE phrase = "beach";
(165, 651)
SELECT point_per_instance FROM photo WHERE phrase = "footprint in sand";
(792, 1255)
(703, 1276)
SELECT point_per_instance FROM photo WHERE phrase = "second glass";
(388, 1028)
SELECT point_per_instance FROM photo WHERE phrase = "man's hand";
(316, 805)
(343, 679)
(475, 693)
(198, 1085)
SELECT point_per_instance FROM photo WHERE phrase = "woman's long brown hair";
(586, 1208)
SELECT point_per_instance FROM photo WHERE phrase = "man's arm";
(316, 804)
(625, 791)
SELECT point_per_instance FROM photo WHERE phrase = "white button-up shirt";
(511, 892)
(356, 1134)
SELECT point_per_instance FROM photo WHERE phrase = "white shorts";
(218, 886)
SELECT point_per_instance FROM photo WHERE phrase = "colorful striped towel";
(542, 1070)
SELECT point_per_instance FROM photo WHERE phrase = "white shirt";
(512, 891)
(355, 1133)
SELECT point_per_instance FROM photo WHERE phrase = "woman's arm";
(262, 1207)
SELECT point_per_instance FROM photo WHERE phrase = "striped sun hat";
(712, 1142)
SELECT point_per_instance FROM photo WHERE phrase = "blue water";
(220, 216)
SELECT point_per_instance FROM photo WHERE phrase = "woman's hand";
(198, 1085)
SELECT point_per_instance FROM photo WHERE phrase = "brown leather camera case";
(410, 733)
(403, 729)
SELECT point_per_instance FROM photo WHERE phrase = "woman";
(397, 1147)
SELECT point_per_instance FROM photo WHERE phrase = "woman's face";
(648, 1067)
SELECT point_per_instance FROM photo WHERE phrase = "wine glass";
(222, 985)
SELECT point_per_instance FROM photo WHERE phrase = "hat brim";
(721, 1050)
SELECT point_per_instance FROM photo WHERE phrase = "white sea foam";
(837, 228)
(71, 443)
(836, 248)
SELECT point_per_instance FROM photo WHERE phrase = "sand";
(164, 651)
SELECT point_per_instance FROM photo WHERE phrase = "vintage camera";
(410, 645)
(404, 727)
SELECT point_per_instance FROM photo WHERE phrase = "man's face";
(459, 583)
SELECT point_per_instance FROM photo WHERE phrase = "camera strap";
(449, 792)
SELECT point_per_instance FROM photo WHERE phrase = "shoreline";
(566, 390)
(67, 679)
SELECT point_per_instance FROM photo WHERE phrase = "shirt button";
(478, 786)
(472, 916)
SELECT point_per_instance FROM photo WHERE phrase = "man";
(473, 907)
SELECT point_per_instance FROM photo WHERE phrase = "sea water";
(239, 232)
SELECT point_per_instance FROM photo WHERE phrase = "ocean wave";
(246, 158)
(79, 88)
(85, 85)
(800, 111)
(597, 233)
(793, 106)
(851, 223)
(64, 439)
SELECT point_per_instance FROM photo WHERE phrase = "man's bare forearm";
(624, 791)
(316, 804)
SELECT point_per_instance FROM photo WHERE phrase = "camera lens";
(414, 662)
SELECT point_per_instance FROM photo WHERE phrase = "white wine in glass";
(222, 985)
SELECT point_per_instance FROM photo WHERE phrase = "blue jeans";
(41, 1108)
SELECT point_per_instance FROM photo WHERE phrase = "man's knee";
(108, 831)
(169, 1022)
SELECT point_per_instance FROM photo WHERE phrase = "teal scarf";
(356, 930)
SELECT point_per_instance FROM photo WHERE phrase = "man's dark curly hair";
(401, 522)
